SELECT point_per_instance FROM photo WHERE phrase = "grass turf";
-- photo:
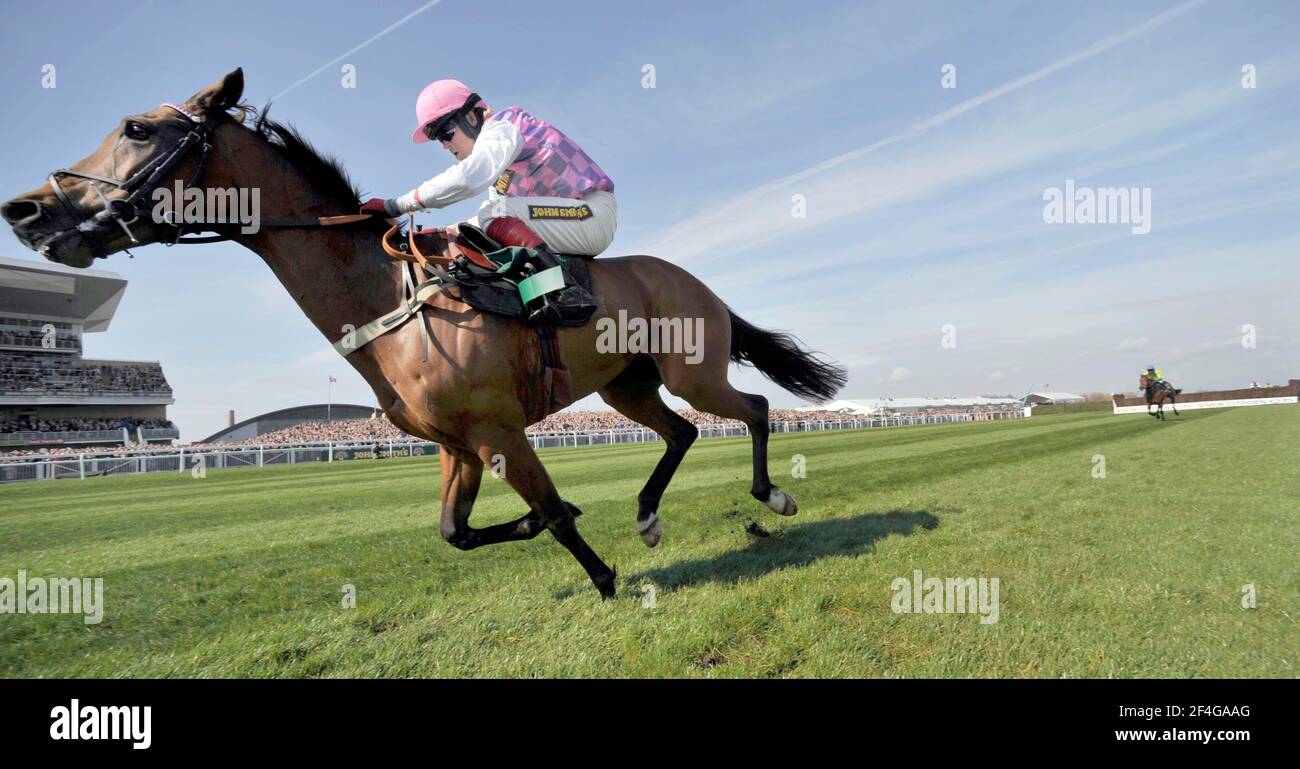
(1139, 573)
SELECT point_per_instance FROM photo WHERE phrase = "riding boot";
(571, 305)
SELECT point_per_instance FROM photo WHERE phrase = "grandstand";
(52, 396)
(299, 423)
(1053, 399)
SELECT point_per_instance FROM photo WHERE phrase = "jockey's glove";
(382, 207)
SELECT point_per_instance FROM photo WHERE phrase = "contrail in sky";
(353, 50)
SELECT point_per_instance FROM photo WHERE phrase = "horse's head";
(1143, 382)
(100, 205)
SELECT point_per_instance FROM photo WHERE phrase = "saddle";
(516, 279)
(504, 280)
(1163, 384)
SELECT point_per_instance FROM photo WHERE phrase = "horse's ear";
(221, 95)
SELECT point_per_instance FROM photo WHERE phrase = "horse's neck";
(339, 276)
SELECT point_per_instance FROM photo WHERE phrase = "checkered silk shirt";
(550, 163)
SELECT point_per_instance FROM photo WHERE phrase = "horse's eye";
(136, 131)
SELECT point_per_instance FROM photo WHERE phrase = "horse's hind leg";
(708, 390)
(635, 394)
(526, 475)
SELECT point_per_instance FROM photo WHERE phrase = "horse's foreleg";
(524, 472)
(635, 395)
(461, 474)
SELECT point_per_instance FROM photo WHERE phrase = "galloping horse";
(479, 389)
(1157, 393)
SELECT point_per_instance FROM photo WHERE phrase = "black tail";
(782, 360)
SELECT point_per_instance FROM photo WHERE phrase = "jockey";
(544, 192)
(1154, 375)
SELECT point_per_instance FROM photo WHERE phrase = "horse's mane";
(325, 172)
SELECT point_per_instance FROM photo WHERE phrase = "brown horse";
(479, 387)
(1157, 393)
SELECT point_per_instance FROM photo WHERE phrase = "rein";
(124, 211)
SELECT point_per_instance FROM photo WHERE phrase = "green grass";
(1137, 574)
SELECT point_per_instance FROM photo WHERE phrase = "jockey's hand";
(377, 207)
(452, 232)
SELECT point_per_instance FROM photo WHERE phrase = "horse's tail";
(1177, 391)
(781, 359)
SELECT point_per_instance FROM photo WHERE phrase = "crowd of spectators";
(335, 431)
(27, 424)
(115, 450)
(582, 421)
(942, 410)
(38, 338)
(34, 372)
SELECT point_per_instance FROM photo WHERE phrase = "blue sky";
(924, 204)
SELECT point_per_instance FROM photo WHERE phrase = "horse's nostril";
(20, 211)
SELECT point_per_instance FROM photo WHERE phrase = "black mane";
(325, 172)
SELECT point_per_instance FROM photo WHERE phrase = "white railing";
(179, 459)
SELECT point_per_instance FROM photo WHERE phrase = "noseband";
(142, 183)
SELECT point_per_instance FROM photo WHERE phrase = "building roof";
(36, 288)
(1059, 396)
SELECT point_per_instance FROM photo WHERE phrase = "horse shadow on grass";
(793, 546)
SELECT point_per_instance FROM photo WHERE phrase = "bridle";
(125, 212)
(142, 183)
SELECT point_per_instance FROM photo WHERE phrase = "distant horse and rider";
(468, 379)
(1158, 391)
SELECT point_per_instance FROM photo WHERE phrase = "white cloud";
(900, 374)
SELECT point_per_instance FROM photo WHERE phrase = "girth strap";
(417, 295)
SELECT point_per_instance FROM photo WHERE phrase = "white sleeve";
(496, 147)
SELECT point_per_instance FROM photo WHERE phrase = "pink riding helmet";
(439, 99)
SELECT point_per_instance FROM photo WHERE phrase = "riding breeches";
(568, 226)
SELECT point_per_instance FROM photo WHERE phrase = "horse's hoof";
(606, 585)
(651, 530)
(781, 503)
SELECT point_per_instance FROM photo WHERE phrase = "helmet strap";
(469, 130)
